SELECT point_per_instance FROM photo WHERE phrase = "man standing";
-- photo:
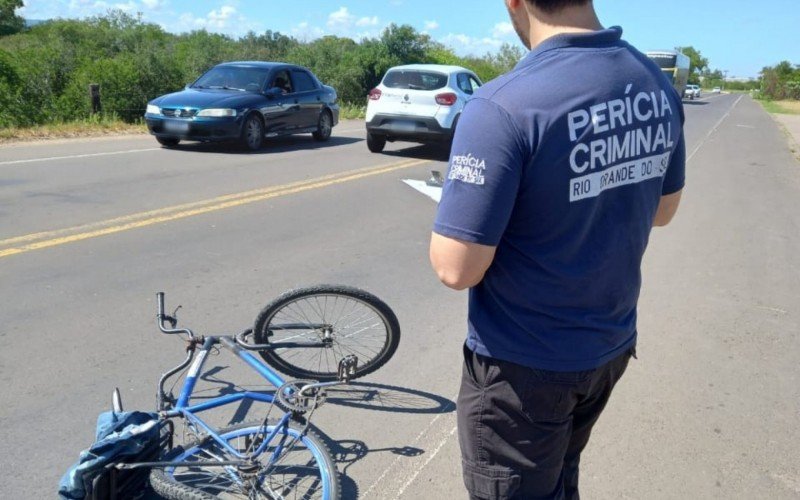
(558, 172)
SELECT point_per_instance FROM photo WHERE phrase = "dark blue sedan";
(245, 101)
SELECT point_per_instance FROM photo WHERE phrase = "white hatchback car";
(418, 103)
(692, 92)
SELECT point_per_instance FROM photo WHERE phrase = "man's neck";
(578, 19)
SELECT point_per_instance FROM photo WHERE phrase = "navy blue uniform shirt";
(561, 164)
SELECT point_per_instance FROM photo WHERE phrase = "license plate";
(177, 127)
(404, 125)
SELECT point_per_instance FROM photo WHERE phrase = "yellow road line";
(48, 239)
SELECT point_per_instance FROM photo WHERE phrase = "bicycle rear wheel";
(335, 322)
(305, 470)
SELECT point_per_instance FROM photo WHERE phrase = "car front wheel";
(375, 143)
(253, 133)
(324, 127)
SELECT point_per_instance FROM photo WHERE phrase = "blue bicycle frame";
(183, 409)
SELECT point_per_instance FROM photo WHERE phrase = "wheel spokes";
(354, 328)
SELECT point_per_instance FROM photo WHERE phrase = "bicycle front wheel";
(303, 470)
(321, 325)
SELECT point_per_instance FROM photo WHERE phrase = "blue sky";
(734, 38)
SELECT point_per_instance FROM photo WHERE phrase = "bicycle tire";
(373, 334)
(324, 483)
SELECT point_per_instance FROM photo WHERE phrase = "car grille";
(178, 112)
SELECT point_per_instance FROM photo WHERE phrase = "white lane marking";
(432, 192)
(773, 309)
(744, 126)
(714, 129)
(394, 463)
(419, 469)
(399, 457)
(69, 157)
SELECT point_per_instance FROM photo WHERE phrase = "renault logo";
(406, 97)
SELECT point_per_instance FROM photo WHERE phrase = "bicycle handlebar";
(162, 318)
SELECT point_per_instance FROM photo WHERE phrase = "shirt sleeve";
(675, 177)
(483, 177)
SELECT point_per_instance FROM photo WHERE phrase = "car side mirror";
(273, 92)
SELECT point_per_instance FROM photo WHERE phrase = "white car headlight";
(153, 110)
(217, 112)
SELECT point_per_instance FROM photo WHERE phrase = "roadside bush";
(120, 89)
(9, 91)
(333, 60)
(781, 81)
(196, 52)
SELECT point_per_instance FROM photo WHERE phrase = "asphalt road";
(91, 229)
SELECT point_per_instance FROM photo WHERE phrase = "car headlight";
(217, 112)
(153, 110)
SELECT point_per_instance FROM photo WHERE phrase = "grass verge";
(352, 111)
(782, 107)
(89, 127)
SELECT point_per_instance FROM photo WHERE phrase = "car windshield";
(233, 78)
(414, 80)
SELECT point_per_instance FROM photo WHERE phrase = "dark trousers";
(522, 430)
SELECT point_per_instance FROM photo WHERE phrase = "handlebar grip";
(163, 318)
(160, 301)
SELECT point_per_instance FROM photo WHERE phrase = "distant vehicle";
(692, 92)
(675, 66)
(245, 101)
(418, 103)
(716, 90)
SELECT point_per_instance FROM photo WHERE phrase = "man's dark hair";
(551, 6)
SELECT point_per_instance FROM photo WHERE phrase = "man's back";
(560, 164)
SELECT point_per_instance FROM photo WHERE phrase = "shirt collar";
(589, 39)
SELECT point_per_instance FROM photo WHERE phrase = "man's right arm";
(667, 207)
(674, 180)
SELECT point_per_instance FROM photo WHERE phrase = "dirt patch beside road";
(791, 125)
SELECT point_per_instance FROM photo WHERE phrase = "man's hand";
(459, 264)
(667, 207)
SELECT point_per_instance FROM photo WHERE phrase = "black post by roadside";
(94, 97)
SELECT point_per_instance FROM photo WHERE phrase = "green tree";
(440, 54)
(120, 88)
(698, 63)
(508, 57)
(373, 58)
(270, 46)
(784, 70)
(10, 85)
(334, 60)
(405, 45)
(781, 81)
(198, 51)
(10, 22)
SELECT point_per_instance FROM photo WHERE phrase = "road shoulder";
(791, 126)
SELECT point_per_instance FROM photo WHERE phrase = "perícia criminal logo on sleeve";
(468, 169)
